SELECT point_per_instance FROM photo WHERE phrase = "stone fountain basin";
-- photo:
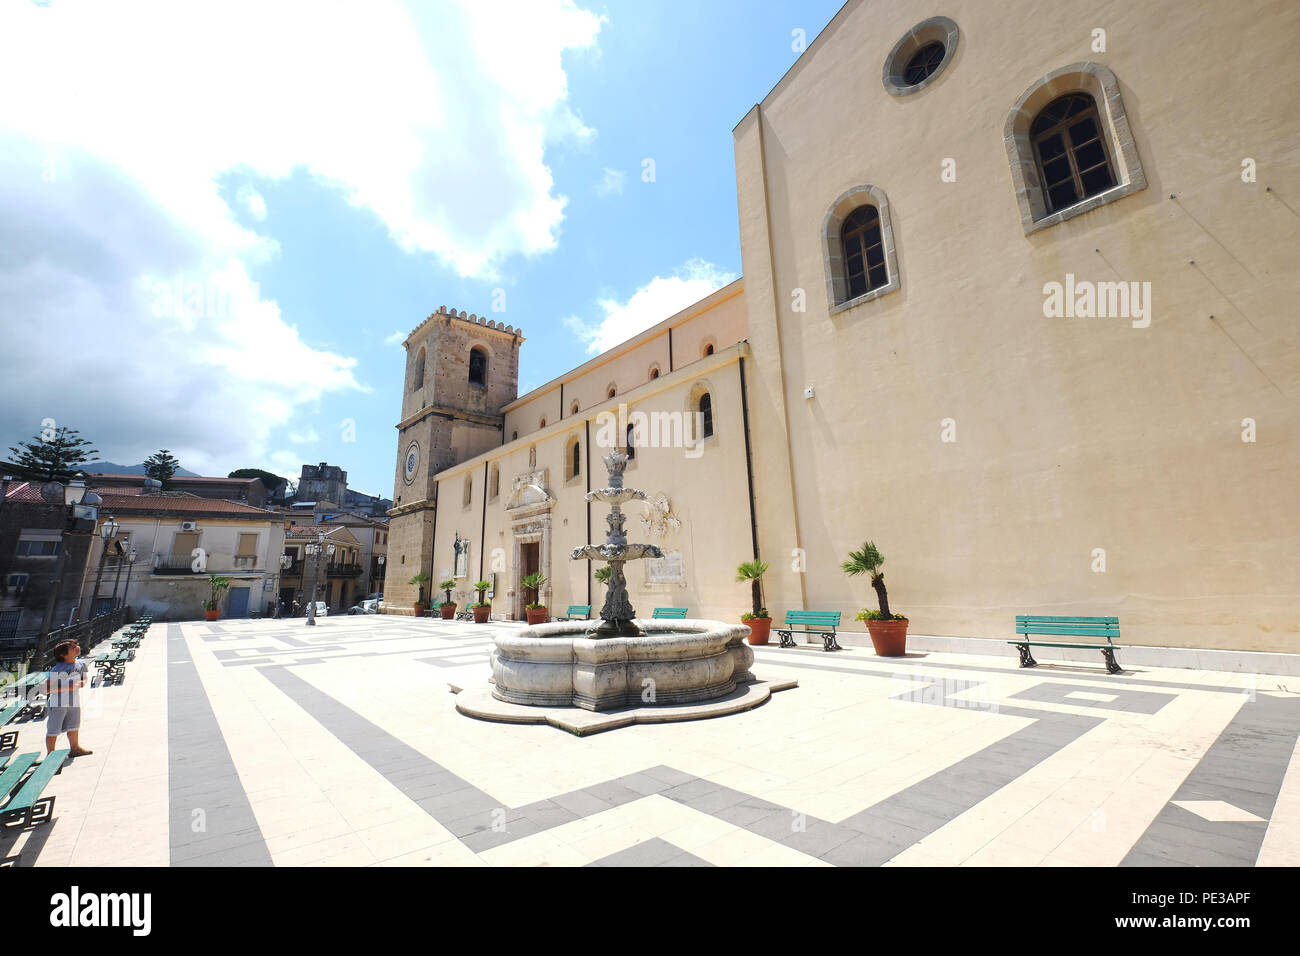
(675, 662)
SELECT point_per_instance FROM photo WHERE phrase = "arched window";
(864, 251)
(494, 484)
(478, 361)
(514, 435)
(631, 442)
(706, 412)
(858, 247)
(419, 372)
(708, 349)
(468, 494)
(1070, 151)
(573, 408)
(543, 424)
(654, 372)
(611, 392)
(1070, 146)
(573, 458)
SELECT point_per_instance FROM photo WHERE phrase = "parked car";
(321, 609)
(368, 606)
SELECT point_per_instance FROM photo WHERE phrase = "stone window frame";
(570, 443)
(1099, 82)
(494, 483)
(933, 30)
(467, 495)
(837, 289)
(698, 390)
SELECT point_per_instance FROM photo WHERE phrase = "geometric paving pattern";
(267, 743)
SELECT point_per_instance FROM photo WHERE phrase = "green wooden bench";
(669, 612)
(27, 807)
(112, 667)
(9, 738)
(1099, 627)
(821, 623)
(576, 612)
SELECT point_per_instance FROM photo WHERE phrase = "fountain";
(585, 676)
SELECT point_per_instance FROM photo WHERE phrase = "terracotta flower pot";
(536, 615)
(889, 638)
(482, 613)
(448, 610)
(211, 615)
(420, 609)
(760, 628)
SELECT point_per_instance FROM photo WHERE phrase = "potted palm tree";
(217, 584)
(482, 610)
(536, 611)
(448, 606)
(888, 631)
(421, 605)
(759, 621)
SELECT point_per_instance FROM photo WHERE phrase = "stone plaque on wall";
(667, 570)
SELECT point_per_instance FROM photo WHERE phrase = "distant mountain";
(112, 468)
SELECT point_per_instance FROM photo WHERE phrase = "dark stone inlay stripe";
(201, 776)
(1243, 767)
(1131, 701)
(652, 852)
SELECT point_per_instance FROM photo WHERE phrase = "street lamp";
(130, 556)
(286, 562)
(107, 531)
(316, 550)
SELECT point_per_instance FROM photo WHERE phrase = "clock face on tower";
(412, 462)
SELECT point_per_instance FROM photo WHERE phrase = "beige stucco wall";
(1072, 434)
(707, 493)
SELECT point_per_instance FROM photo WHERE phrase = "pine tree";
(161, 466)
(53, 455)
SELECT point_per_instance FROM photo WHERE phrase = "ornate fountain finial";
(615, 464)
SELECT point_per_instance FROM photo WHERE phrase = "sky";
(219, 221)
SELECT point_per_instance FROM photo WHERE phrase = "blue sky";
(226, 240)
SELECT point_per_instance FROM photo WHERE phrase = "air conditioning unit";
(189, 526)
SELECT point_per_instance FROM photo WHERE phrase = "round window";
(412, 462)
(920, 57)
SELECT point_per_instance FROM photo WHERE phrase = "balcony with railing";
(341, 569)
(179, 565)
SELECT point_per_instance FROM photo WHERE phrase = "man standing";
(63, 704)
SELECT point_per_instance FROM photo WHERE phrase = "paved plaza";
(271, 743)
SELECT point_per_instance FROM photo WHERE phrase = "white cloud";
(655, 301)
(252, 200)
(434, 118)
(397, 338)
(611, 183)
(308, 437)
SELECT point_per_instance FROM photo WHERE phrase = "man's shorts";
(61, 720)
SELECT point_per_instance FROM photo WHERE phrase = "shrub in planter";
(420, 604)
(888, 631)
(759, 621)
(217, 584)
(482, 610)
(448, 607)
(537, 613)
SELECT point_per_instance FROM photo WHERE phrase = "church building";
(1017, 305)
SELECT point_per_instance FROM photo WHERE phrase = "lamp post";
(380, 588)
(107, 531)
(81, 514)
(129, 568)
(286, 561)
(117, 578)
(316, 550)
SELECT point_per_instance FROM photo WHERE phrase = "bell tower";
(460, 371)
